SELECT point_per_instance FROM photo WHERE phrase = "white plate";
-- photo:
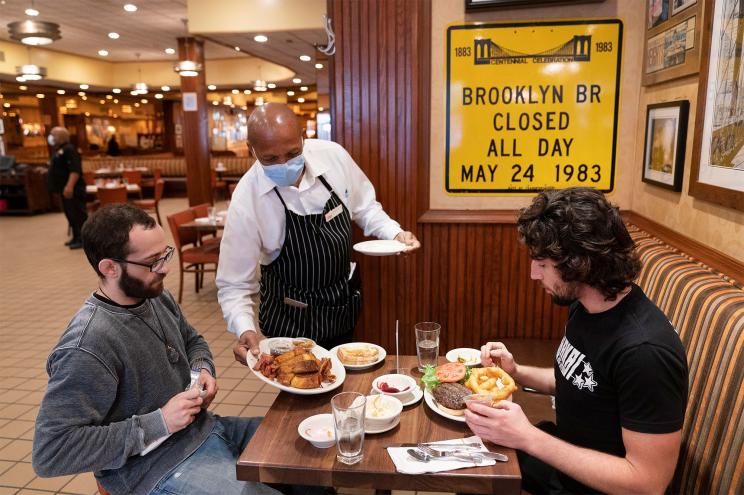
(336, 368)
(429, 399)
(474, 356)
(415, 396)
(379, 247)
(380, 355)
(383, 429)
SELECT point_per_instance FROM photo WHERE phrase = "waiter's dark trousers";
(74, 209)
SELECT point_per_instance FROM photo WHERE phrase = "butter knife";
(440, 446)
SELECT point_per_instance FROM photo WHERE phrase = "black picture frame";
(665, 143)
(480, 5)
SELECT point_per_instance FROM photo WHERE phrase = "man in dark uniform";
(288, 237)
(66, 178)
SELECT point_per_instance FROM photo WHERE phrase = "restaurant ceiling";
(155, 26)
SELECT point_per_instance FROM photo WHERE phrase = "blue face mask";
(285, 174)
(50, 140)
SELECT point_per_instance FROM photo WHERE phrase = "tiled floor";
(43, 285)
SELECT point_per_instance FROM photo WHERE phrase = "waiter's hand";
(409, 240)
(67, 192)
(248, 341)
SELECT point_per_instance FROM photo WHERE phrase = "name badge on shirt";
(334, 213)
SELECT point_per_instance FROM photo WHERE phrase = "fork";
(424, 457)
(427, 449)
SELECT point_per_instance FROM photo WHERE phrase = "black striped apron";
(305, 291)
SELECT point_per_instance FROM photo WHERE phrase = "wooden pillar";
(49, 114)
(195, 125)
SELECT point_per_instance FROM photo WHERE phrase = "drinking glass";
(212, 214)
(348, 420)
(427, 343)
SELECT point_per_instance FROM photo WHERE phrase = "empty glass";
(427, 343)
(348, 420)
(212, 214)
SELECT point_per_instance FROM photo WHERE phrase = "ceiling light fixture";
(102, 102)
(260, 38)
(108, 97)
(260, 85)
(84, 86)
(144, 100)
(211, 87)
(20, 79)
(30, 72)
(32, 12)
(116, 90)
(130, 7)
(237, 48)
(170, 51)
(60, 91)
(320, 109)
(22, 87)
(103, 53)
(305, 58)
(235, 91)
(165, 88)
(140, 87)
(81, 93)
(40, 95)
(318, 66)
(300, 100)
(271, 85)
(260, 101)
(187, 68)
(290, 93)
(158, 96)
(303, 88)
(113, 36)
(246, 91)
(83, 98)
(116, 100)
(34, 32)
(215, 103)
(297, 80)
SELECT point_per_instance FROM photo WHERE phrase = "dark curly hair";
(584, 235)
(106, 233)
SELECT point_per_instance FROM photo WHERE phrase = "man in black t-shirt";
(66, 178)
(620, 377)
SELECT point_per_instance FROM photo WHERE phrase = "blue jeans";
(211, 469)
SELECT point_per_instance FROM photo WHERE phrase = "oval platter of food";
(359, 355)
(297, 366)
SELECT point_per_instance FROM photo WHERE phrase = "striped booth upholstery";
(170, 167)
(707, 309)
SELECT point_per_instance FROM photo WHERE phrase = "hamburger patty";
(450, 395)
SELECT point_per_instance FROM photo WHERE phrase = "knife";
(438, 445)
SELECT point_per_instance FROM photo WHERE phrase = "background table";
(277, 454)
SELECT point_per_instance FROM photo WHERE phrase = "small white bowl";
(404, 383)
(470, 357)
(386, 407)
(318, 430)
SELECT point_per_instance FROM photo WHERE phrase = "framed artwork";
(477, 5)
(672, 40)
(664, 151)
(717, 172)
(680, 5)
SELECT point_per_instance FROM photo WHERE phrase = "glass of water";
(427, 343)
(348, 420)
(212, 214)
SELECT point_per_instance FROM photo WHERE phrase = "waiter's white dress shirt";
(254, 231)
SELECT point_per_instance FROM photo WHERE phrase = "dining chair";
(151, 205)
(218, 184)
(111, 195)
(206, 236)
(132, 176)
(191, 259)
(157, 173)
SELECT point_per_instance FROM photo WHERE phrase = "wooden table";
(218, 225)
(131, 189)
(117, 172)
(277, 454)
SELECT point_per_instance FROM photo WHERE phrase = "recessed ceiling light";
(137, 105)
(108, 97)
(103, 53)
(23, 88)
(6, 105)
(87, 114)
(32, 12)
(158, 96)
(40, 95)
(215, 103)
(271, 85)
(260, 38)
(81, 93)
(116, 100)
(170, 51)
(83, 97)
(318, 66)
(246, 91)
(165, 88)
(235, 91)
(60, 91)
(290, 93)
(130, 7)
(113, 35)
(144, 100)
(116, 90)
(305, 58)
(297, 80)
(102, 102)
(301, 100)
(303, 88)
(320, 109)
(237, 48)
(211, 87)
(84, 86)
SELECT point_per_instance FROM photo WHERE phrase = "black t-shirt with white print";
(622, 368)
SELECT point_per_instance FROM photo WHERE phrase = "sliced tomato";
(450, 372)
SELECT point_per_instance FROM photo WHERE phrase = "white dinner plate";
(379, 247)
(336, 368)
(382, 429)
(380, 355)
(429, 399)
(409, 399)
(472, 356)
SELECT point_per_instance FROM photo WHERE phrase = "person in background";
(66, 178)
(130, 380)
(620, 377)
(112, 147)
(288, 236)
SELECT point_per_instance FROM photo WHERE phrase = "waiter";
(66, 178)
(288, 237)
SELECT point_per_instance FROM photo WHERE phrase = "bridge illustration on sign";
(577, 49)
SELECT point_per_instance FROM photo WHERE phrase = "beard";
(566, 294)
(136, 288)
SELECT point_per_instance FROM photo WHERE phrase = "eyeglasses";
(155, 265)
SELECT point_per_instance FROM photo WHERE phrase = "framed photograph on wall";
(672, 40)
(717, 171)
(478, 5)
(664, 151)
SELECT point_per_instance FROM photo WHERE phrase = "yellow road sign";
(532, 105)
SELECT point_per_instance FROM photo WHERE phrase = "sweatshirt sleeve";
(70, 436)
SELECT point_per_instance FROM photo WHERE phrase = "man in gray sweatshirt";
(115, 403)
